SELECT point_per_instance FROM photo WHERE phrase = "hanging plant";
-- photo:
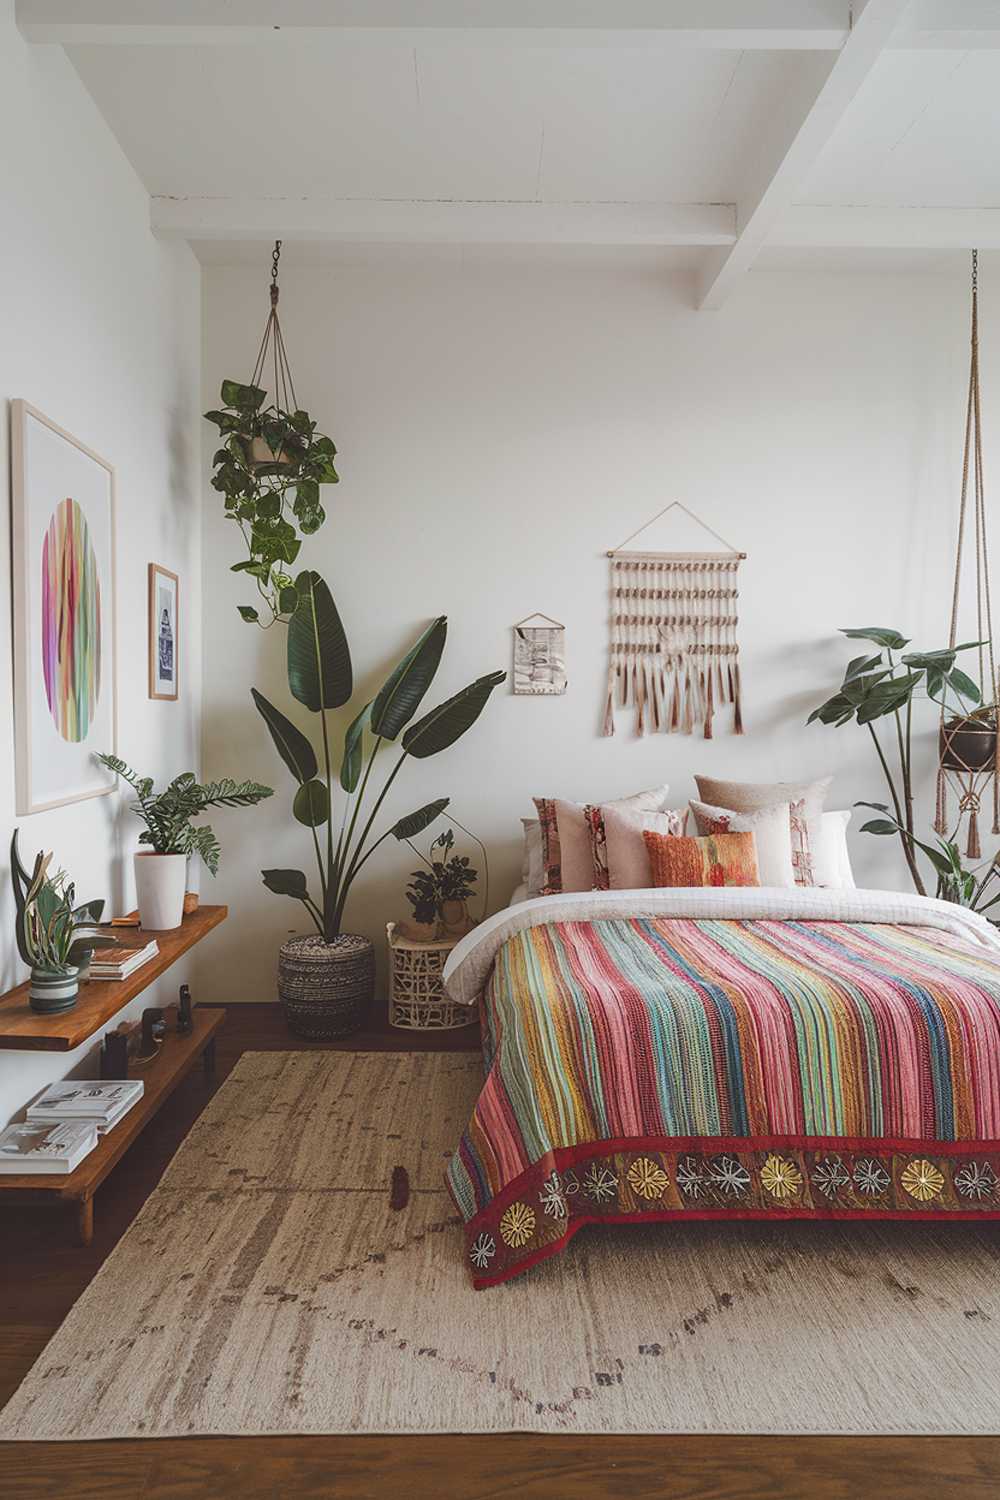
(269, 471)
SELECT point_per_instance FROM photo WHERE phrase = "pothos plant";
(320, 677)
(881, 686)
(269, 471)
(444, 877)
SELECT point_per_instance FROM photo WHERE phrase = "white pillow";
(772, 831)
(532, 868)
(831, 860)
(805, 799)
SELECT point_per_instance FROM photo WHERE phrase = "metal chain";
(275, 257)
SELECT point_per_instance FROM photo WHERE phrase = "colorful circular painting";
(71, 622)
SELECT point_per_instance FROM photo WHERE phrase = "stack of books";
(37, 1147)
(86, 1101)
(118, 962)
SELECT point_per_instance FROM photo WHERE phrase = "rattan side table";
(417, 1001)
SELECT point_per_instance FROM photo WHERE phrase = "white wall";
(101, 332)
(499, 427)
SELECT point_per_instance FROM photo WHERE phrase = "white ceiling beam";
(802, 25)
(831, 227)
(443, 222)
(962, 25)
(797, 135)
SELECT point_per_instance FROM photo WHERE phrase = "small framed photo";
(163, 637)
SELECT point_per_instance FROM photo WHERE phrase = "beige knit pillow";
(805, 799)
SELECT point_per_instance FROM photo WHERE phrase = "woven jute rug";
(269, 1286)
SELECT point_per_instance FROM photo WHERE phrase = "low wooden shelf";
(177, 1056)
(100, 1000)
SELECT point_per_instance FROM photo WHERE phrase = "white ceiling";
(865, 135)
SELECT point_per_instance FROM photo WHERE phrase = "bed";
(725, 1053)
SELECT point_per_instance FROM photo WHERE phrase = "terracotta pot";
(419, 932)
(261, 452)
(455, 918)
(326, 989)
(968, 745)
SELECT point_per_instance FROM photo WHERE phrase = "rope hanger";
(678, 505)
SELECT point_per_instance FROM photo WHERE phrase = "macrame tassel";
(973, 849)
(737, 703)
(675, 703)
(640, 697)
(609, 707)
(941, 804)
(709, 702)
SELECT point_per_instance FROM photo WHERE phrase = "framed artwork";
(539, 656)
(163, 639)
(64, 590)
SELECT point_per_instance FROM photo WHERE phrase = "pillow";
(618, 852)
(532, 866)
(720, 859)
(805, 799)
(771, 828)
(566, 859)
(832, 862)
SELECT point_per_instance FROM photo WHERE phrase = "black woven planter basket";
(326, 988)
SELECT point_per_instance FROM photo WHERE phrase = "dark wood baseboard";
(41, 1276)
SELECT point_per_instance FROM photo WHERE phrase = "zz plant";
(269, 471)
(320, 677)
(167, 814)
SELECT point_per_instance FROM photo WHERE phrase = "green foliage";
(320, 677)
(275, 500)
(168, 814)
(51, 933)
(883, 685)
(954, 882)
(447, 877)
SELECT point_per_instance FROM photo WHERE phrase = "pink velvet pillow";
(618, 850)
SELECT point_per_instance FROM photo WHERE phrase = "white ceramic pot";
(159, 884)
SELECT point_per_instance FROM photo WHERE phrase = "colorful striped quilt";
(655, 1067)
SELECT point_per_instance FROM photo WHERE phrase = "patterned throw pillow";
(806, 799)
(567, 862)
(771, 828)
(620, 857)
(720, 859)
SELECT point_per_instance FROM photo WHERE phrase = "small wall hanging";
(969, 743)
(539, 656)
(674, 655)
(163, 637)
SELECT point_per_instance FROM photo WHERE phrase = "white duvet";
(469, 963)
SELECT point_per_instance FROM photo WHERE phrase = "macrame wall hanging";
(673, 655)
(969, 744)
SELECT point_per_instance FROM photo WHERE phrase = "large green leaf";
(246, 398)
(319, 658)
(312, 804)
(416, 822)
(290, 743)
(449, 721)
(286, 883)
(963, 685)
(406, 685)
(882, 636)
(350, 766)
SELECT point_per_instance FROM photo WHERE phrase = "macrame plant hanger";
(272, 349)
(673, 655)
(970, 746)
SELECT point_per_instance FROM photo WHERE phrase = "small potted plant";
(441, 891)
(54, 938)
(161, 870)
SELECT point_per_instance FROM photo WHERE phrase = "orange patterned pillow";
(719, 859)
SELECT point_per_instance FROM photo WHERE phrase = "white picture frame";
(164, 639)
(65, 614)
(539, 657)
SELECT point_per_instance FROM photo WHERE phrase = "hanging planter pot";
(968, 743)
(263, 456)
(326, 989)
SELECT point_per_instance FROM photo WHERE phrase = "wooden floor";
(42, 1274)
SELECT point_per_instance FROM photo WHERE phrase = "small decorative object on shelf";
(417, 998)
(54, 937)
(161, 870)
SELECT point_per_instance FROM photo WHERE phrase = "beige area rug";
(268, 1286)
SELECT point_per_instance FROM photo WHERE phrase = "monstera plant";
(339, 794)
